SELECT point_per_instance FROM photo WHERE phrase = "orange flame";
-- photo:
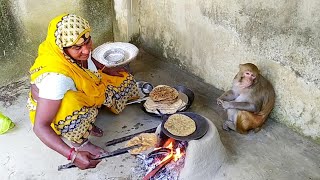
(175, 154)
(169, 143)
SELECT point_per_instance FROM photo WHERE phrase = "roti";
(163, 93)
(180, 125)
(147, 140)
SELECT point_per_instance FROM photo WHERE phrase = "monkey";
(249, 102)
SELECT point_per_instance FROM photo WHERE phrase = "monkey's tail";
(247, 121)
(268, 105)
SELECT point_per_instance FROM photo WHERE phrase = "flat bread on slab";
(163, 93)
(147, 140)
(180, 125)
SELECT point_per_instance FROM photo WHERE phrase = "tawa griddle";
(201, 127)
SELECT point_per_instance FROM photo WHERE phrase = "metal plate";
(201, 127)
(186, 92)
(114, 56)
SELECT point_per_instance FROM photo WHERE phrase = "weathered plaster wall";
(210, 39)
(24, 23)
(126, 20)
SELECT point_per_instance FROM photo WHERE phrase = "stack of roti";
(166, 99)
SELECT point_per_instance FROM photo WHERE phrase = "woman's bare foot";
(88, 146)
(95, 131)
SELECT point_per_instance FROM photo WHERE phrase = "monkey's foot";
(229, 125)
(256, 129)
(225, 127)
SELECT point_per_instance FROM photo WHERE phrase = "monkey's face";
(249, 75)
(247, 79)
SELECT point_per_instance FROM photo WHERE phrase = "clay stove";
(199, 159)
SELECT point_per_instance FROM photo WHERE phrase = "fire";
(174, 154)
(177, 155)
(172, 148)
(169, 143)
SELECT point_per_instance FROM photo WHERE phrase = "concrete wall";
(24, 23)
(126, 20)
(210, 39)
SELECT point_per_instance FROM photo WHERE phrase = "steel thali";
(186, 93)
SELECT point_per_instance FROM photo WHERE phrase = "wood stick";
(155, 170)
(125, 138)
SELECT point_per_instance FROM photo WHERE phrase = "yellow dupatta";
(76, 105)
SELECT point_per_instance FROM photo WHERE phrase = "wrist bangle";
(74, 156)
(103, 68)
(70, 153)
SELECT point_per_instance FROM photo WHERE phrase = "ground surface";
(276, 152)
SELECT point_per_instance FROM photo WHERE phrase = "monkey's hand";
(219, 101)
(227, 96)
(226, 105)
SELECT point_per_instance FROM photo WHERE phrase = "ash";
(146, 163)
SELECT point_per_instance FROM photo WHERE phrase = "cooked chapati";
(163, 93)
(147, 140)
(180, 125)
(165, 108)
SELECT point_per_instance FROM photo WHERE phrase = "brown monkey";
(249, 102)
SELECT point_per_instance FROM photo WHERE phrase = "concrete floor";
(276, 152)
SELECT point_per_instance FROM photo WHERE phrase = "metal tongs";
(102, 156)
(145, 88)
(113, 153)
(137, 101)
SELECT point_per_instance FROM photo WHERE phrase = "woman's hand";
(115, 71)
(84, 160)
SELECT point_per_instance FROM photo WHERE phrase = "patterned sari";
(78, 109)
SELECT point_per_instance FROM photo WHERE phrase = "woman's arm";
(46, 111)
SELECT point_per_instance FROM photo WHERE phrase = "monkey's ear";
(241, 66)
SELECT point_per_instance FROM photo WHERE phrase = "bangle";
(103, 68)
(70, 153)
(74, 156)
